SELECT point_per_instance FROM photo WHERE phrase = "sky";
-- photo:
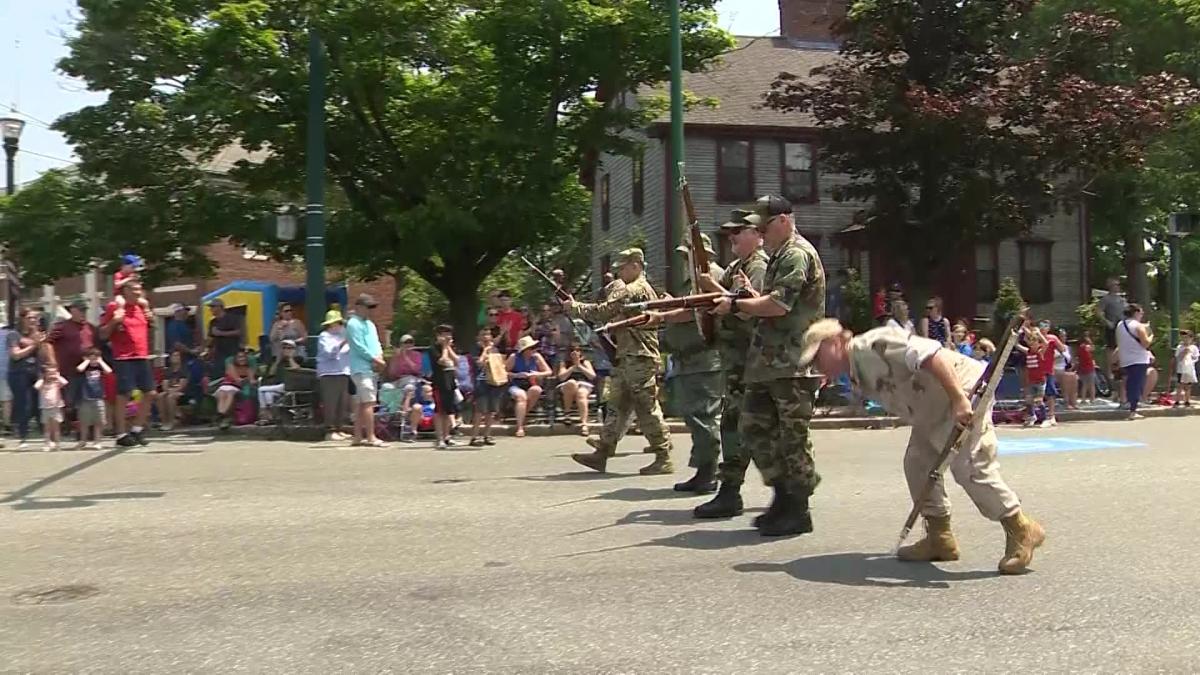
(32, 41)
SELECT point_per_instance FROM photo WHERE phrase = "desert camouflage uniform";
(885, 364)
(734, 332)
(633, 387)
(698, 385)
(780, 394)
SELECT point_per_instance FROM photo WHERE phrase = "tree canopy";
(456, 131)
(954, 126)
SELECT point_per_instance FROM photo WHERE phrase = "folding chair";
(296, 408)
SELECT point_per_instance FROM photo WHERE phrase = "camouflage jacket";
(795, 280)
(734, 331)
(631, 342)
(886, 366)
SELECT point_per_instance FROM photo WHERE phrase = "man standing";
(1111, 310)
(734, 332)
(926, 384)
(366, 357)
(225, 334)
(634, 386)
(780, 393)
(697, 383)
(128, 331)
(71, 338)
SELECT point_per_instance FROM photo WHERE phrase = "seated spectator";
(421, 413)
(406, 368)
(271, 388)
(238, 383)
(174, 388)
(576, 378)
(526, 368)
(487, 396)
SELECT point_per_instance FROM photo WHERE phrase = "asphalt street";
(238, 556)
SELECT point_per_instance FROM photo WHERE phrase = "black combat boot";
(702, 483)
(727, 503)
(794, 518)
(773, 510)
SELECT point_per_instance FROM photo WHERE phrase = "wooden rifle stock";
(698, 301)
(699, 258)
(560, 294)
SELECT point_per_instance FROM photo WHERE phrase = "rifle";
(634, 322)
(981, 396)
(698, 258)
(698, 301)
(560, 294)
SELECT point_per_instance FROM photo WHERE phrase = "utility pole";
(1181, 225)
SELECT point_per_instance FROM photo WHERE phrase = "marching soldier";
(698, 386)
(925, 384)
(634, 383)
(780, 394)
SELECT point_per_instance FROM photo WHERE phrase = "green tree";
(456, 131)
(952, 128)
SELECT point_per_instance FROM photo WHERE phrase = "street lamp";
(1181, 225)
(10, 129)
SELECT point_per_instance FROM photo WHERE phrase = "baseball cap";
(817, 333)
(629, 255)
(288, 342)
(366, 300)
(178, 307)
(708, 245)
(740, 219)
(78, 303)
(769, 206)
(407, 338)
(216, 302)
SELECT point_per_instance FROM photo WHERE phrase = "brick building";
(739, 150)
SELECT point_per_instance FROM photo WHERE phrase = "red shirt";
(130, 339)
(1087, 359)
(71, 340)
(512, 322)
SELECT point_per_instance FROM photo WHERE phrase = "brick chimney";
(810, 20)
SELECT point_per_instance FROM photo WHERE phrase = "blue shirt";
(179, 332)
(333, 354)
(364, 345)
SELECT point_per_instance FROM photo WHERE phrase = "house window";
(639, 183)
(735, 177)
(987, 272)
(1035, 272)
(605, 205)
(799, 178)
(813, 238)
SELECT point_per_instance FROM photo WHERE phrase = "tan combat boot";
(661, 465)
(600, 449)
(1022, 536)
(597, 461)
(937, 546)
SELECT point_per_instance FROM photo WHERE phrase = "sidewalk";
(826, 419)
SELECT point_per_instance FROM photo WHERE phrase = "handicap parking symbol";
(1031, 446)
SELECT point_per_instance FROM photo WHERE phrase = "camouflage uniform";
(698, 386)
(885, 364)
(734, 333)
(780, 394)
(633, 386)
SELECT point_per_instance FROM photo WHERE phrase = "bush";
(857, 299)
(1089, 321)
(1008, 303)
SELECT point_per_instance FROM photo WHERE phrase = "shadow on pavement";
(867, 569)
(628, 494)
(575, 476)
(696, 540)
(25, 492)
(78, 501)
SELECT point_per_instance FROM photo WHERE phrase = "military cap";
(629, 255)
(708, 245)
(740, 219)
(769, 206)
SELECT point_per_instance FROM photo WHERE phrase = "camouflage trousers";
(735, 459)
(633, 390)
(775, 428)
(698, 396)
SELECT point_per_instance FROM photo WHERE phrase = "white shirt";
(333, 354)
(1185, 359)
(1129, 348)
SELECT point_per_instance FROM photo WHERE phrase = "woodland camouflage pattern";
(795, 279)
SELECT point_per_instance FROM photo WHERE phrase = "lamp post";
(1181, 225)
(10, 129)
(314, 218)
(677, 156)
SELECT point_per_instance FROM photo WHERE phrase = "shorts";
(365, 387)
(517, 387)
(1037, 390)
(583, 384)
(444, 401)
(52, 415)
(1087, 379)
(1110, 338)
(91, 412)
(5, 391)
(1052, 387)
(134, 374)
(488, 398)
